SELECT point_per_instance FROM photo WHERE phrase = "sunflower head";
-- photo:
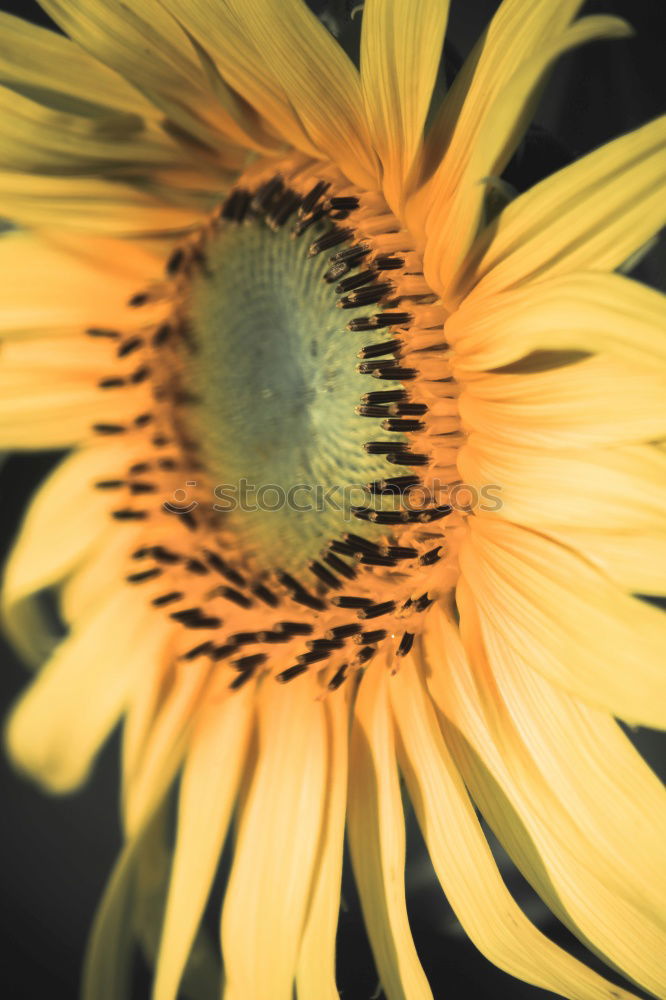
(349, 496)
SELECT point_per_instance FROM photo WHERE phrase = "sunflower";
(362, 480)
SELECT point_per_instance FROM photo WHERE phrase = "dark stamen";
(376, 350)
(351, 602)
(355, 281)
(408, 458)
(370, 411)
(175, 261)
(235, 597)
(146, 574)
(370, 638)
(385, 262)
(265, 595)
(126, 514)
(385, 318)
(329, 240)
(245, 663)
(338, 678)
(203, 647)
(339, 566)
(173, 595)
(406, 644)
(323, 574)
(312, 197)
(295, 628)
(344, 204)
(388, 396)
(423, 602)
(131, 345)
(377, 610)
(98, 331)
(365, 296)
(343, 631)
(111, 383)
(430, 557)
(236, 205)
(394, 374)
(398, 425)
(161, 335)
(109, 428)
(401, 552)
(109, 484)
(408, 409)
(291, 672)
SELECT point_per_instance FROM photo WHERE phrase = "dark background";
(56, 853)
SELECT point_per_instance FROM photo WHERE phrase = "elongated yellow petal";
(79, 285)
(95, 206)
(315, 977)
(585, 312)
(457, 212)
(593, 214)
(401, 46)
(103, 565)
(58, 726)
(212, 772)
(566, 620)
(635, 561)
(62, 524)
(279, 833)
(55, 66)
(149, 48)
(219, 32)
(318, 79)
(597, 401)
(560, 851)
(463, 860)
(376, 830)
(620, 489)
(162, 748)
(39, 139)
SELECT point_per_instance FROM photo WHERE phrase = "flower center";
(276, 389)
(291, 372)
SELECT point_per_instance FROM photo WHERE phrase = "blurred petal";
(279, 833)
(463, 860)
(376, 830)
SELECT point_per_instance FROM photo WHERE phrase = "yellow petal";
(376, 830)
(563, 855)
(592, 214)
(62, 524)
(90, 205)
(317, 78)
(278, 837)
(148, 47)
(566, 620)
(104, 564)
(463, 860)
(401, 46)
(635, 561)
(208, 787)
(220, 33)
(160, 750)
(36, 138)
(597, 401)
(616, 490)
(86, 284)
(58, 726)
(460, 186)
(578, 312)
(315, 977)
(53, 65)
